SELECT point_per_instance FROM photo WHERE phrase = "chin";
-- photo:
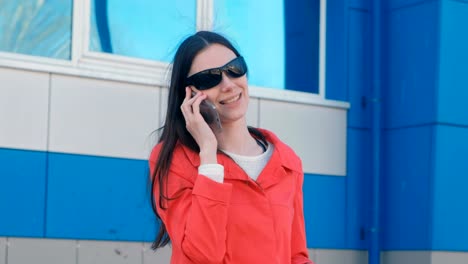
(233, 117)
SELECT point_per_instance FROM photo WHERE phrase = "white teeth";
(231, 100)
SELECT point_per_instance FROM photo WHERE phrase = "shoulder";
(179, 151)
(183, 160)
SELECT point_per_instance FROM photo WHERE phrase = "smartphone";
(210, 114)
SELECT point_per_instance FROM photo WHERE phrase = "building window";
(284, 43)
(145, 29)
(36, 27)
(280, 43)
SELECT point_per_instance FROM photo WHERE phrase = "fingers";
(184, 107)
(191, 105)
(199, 97)
(194, 122)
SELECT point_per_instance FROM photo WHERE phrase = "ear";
(194, 90)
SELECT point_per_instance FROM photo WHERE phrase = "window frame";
(86, 63)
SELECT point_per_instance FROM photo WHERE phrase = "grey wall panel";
(162, 255)
(109, 252)
(252, 112)
(406, 257)
(441, 257)
(41, 251)
(330, 256)
(163, 106)
(3, 248)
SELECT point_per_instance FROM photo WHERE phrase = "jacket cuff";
(212, 171)
(212, 190)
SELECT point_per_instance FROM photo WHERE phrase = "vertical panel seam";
(7, 243)
(46, 176)
(142, 252)
(77, 251)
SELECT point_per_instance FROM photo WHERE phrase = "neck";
(235, 138)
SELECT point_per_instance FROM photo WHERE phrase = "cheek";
(211, 94)
(242, 83)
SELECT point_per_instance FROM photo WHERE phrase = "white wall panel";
(102, 118)
(329, 256)
(24, 99)
(162, 255)
(3, 247)
(252, 112)
(109, 252)
(316, 133)
(42, 251)
(163, 106)
(50, 251)
(441, 257)
(407, 257)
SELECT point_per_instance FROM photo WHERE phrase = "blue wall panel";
(22, 192)
(98, 198)
(358, 182)
(302, 31)
(450, 189)
(394, 4)
(359, 68)
(360, 4)
(412, 74)
(406, 188)
(324, 211)
(453, 80)
(336, 88)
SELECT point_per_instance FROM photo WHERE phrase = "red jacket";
(240, 220)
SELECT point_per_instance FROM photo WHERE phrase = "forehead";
(213, 56)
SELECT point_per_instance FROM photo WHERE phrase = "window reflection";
(280, 43)
(36, 27)
(143, 28)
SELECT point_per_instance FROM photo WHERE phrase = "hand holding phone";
(210, 114)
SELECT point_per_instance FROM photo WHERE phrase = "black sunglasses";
(209, 78)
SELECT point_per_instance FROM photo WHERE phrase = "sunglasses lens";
(206, 80)
(236, 68)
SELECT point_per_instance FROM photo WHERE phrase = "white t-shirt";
(252, 165)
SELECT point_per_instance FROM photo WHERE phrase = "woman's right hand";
(198, 127)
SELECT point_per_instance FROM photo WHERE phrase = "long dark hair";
(174, 129)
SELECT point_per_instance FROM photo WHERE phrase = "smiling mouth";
(231, 100)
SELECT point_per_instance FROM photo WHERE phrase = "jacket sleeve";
(299, 254)
(196, 215)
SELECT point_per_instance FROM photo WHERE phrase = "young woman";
(225, 193)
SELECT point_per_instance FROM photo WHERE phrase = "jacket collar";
(283, 155)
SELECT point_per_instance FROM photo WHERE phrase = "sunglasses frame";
(216, 74)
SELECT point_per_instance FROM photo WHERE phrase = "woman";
(224, 195)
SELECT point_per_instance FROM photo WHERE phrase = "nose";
(226, 83)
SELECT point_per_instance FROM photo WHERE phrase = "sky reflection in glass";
(36, 27)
